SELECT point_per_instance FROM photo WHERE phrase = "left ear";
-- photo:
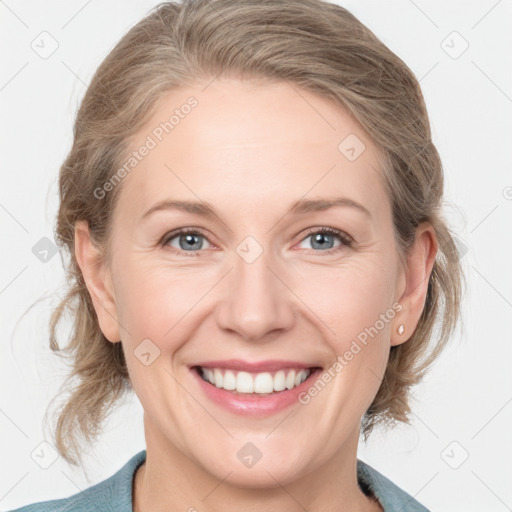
(419, 263)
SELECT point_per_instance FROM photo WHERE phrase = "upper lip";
(268, 365)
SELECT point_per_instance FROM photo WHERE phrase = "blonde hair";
(312, 44)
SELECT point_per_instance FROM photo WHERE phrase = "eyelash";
(345, 239)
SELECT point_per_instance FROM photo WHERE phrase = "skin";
(251, 150)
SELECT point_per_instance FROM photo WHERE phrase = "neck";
(169, 480)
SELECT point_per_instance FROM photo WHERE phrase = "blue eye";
(322, 238)
(191, 241)
(188, 241)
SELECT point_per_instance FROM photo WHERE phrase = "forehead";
(244, 144)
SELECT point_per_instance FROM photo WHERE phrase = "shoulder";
(111, 495)
(389, 494)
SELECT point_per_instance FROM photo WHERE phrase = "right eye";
(188, 240)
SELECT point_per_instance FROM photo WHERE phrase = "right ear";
(98, 281)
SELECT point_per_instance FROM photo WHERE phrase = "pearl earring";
(401, 329)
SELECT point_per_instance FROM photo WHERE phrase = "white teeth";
(279, 381)
(229, 381)
(263, 383)
(300, 377)
(217, 374)
(244, 382)
(290, 380)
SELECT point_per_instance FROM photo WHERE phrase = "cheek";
(144, 304)
(155, 309)
(355, 306)
(350, 298)
(158, 302)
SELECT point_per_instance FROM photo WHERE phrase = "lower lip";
(251, 403)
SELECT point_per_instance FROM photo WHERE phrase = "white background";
(467, 397)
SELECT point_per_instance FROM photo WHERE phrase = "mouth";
(255, 383)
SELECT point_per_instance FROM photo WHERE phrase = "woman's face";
(254, 291)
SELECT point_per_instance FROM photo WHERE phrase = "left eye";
(322, 238)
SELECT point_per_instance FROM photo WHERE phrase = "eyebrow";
(206, 210)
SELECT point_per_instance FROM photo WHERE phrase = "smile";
(257, 389)
(255, 383)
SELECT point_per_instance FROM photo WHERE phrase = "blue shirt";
(115, 493)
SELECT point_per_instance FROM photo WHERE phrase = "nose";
(257, 301)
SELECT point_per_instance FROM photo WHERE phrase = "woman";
(252, 211)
